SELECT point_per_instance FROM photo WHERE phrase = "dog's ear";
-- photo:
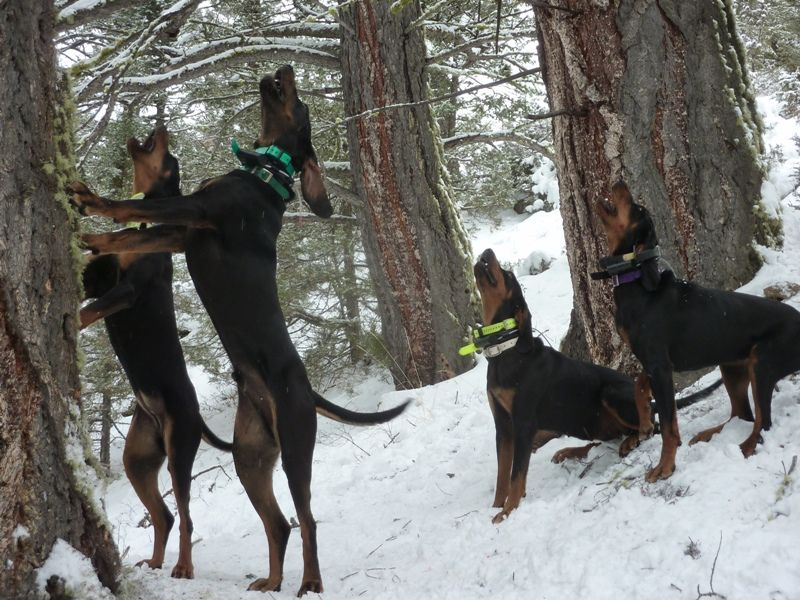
(523, 317)
(651, 276)
(313, 188)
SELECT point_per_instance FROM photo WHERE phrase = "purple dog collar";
(626, 277)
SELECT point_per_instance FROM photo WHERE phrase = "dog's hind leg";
(297, 427)
(770, 361)
(182, 436)
(736, 378)
(143, 456)
(255, 451)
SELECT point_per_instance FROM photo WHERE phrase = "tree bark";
(418, 253)
(41, 495)
(106, 422)
(655, 93)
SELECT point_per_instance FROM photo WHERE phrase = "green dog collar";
(282, 158)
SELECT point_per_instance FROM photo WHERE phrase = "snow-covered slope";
(404, 510)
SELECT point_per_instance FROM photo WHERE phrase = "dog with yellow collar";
(537, 394)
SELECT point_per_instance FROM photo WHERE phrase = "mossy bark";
(417, 251)
(657, 95)
(42, 492)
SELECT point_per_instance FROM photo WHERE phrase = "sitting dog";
(134, 296)
(228, 230)
(676, 325)
(537, 394)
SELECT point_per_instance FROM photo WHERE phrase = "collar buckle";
(498, 349)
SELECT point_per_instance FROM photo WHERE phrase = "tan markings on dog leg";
(142, 458)
(255, 452)
(642, 397)
(748, 447)
(505, 457)
(629, 444)
(670, 440)
(736, 378)
(572, 453)
(515, 494)
(542, 436)
(505, 397)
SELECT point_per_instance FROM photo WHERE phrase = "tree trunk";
(106, 423)
(350, 294)
(41, 495)
(656, 94)
(418, 253)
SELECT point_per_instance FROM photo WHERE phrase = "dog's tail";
(328, 409)
(210, 438)
(698, 395)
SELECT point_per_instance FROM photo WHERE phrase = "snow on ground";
(404, 509)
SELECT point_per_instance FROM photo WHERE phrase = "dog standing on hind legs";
(134, 295)
(228, 230)
(676, 325)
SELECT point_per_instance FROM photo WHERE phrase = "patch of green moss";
(768, 229)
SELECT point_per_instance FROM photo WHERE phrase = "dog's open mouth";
(607, 206)
(483, 269)
(487, 271)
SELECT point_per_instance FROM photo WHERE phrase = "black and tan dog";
(228, 230)
(134, 296)
(676, 325)
(537, 394)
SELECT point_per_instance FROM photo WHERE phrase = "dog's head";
(501, 296)
(285, 123)
(628, 225)
(629, 228)
(155, 170)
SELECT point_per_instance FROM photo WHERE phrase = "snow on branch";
(227, 58)
(206, 49)
(82, 12)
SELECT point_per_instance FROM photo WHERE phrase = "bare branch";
(490, 137)
(343, 192)
(301, 218)
(444, 97)
(572, 112)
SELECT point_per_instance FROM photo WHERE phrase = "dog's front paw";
(265, 584)
(88, 241)
(311, 585)
(501, 516)
(85, 200)
(150, 563)
(662, 470)
(183, 571)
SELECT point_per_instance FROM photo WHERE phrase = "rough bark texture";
(417, 251)
(39, 388)
(658, 96)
